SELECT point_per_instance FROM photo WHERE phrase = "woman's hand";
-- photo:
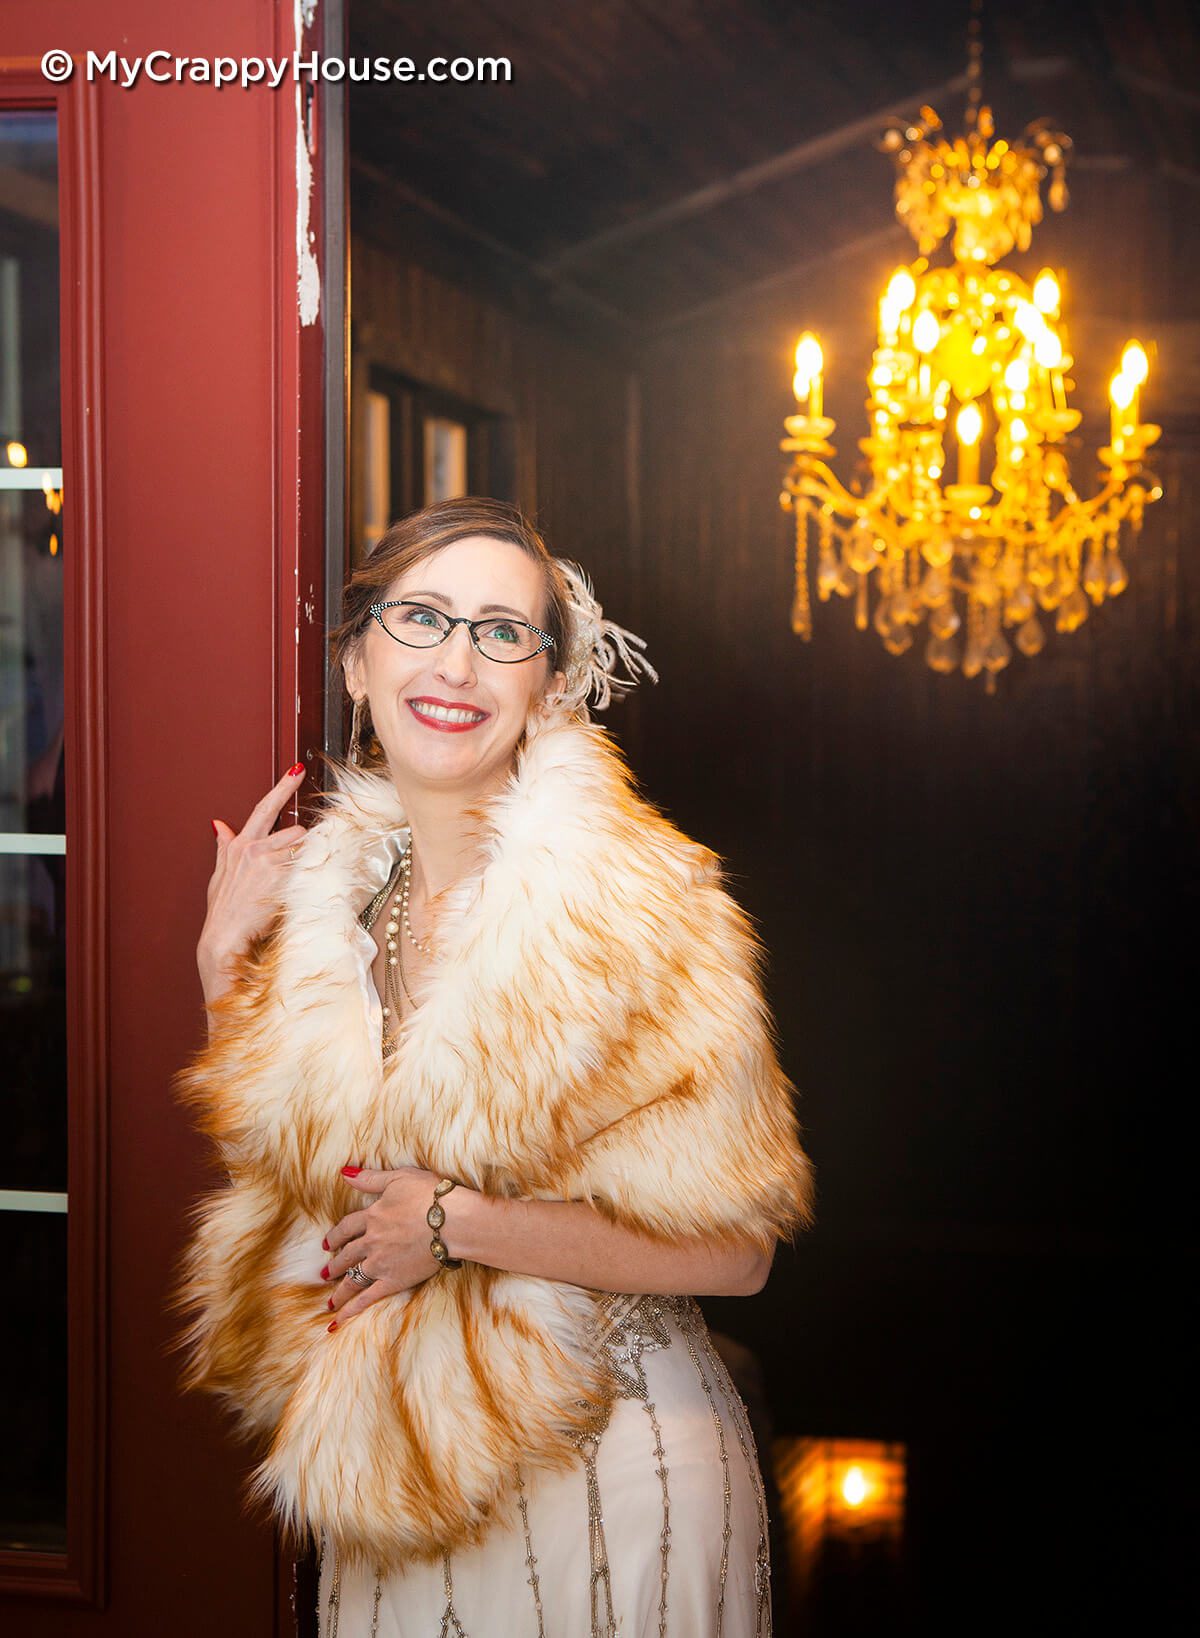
(244, 890)
(389, 1239)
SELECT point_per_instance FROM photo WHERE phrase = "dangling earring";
(356, 722)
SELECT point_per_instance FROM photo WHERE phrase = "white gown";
(659, 1531)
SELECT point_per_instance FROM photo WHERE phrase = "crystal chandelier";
(968, 517)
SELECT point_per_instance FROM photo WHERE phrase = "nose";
(456, 659)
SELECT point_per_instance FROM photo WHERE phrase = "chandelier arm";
(840, 497)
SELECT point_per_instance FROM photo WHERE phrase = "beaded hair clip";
(596, 647)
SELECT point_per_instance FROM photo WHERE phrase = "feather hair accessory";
(596, 647)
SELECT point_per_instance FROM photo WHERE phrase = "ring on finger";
(356, 1274)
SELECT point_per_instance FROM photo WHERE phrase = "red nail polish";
(333, 1325)
(216, 832)
(296, 768)
(351, 1171)
(329, 1304)
(325, 1243)
(325, 1272)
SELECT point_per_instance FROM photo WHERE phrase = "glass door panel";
(33, 843)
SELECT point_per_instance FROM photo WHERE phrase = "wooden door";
(168, 313)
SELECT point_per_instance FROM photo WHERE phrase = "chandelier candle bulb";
(969, 427)
(1046, 293)
(1123, 396)
(807, 382)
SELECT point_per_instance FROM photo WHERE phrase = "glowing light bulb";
(1028, 320)
(17, 454)
(806, 383)
(854, 1487)
(1123, 394)
(1048, 350)
(1018, 431)
(968, 424)
(1046, 294)
(1016, 376)
(901, 290)
(926, 331)
(809, 358)
(1135, 366)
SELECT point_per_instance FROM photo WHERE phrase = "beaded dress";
(659, 1530)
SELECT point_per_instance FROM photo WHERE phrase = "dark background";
(978, 910)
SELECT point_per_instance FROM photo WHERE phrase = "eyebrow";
(488, 608)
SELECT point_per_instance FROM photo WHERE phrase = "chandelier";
(965, 515)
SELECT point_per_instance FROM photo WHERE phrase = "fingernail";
(216, 832)
(333, 1325)
(351, 1171)
(325, 1272)
(325, 1244)
(329, 1304)
(296, 768)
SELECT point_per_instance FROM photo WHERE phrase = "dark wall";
(975, 907)
(977, 912)
(454, 318)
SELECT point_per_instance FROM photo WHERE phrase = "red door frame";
(194, 421)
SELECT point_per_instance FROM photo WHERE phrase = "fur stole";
(594, 1030)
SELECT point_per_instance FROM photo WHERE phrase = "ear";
(555, 689)
(352, 670)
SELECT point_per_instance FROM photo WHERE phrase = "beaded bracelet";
(435, 1217)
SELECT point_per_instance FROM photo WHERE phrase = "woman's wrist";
(471, 1221)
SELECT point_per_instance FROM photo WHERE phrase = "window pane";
(33, 1381)
(445, 459)
(33, 1159)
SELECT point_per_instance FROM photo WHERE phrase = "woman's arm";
(565, 1240)
(569, 1240)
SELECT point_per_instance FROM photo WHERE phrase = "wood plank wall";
(973, 906)
(977, 913)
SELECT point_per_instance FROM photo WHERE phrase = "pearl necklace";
(395, 960)
(402, 896)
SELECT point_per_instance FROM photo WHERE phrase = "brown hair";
(418, 537)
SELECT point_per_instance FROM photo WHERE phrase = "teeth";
(446, 713)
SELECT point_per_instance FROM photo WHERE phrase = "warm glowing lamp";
(1046, 293)
(968, 427)
(902, 289)
(17, 454)
(1122, 393)
(839, 1496)
(806, 383)
(1048, 350)
(1135, 366)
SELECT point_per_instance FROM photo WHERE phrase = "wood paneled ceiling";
(652, 157)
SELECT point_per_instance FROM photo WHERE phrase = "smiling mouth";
(447, 716)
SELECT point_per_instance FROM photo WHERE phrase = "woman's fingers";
(350, 1299)
(267, 811)
(350, 1228)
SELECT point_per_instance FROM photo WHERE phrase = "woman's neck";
(447, 841)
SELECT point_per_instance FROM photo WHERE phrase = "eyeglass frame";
(376, 611)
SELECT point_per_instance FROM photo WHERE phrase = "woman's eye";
(419, 617)
(507, 633)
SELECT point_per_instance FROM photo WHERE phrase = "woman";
(492, 996)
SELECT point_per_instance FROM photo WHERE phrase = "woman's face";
(402, 683)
